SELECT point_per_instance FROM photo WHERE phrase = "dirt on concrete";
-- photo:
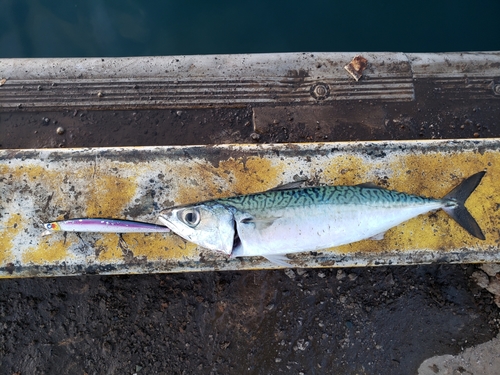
(384, 320)
(349, 321)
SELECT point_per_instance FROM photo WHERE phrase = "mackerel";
(289, 219)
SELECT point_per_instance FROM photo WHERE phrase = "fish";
(289, 219)
(102, 225)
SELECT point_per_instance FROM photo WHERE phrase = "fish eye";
(190, 216)
(48, 226)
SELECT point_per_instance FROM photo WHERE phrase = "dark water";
(59, 28)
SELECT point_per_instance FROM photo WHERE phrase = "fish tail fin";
(455, 205)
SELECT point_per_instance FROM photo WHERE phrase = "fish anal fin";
(278, 259)
(377, 237)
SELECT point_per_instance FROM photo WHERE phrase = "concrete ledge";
(238, 80)
(136, 183)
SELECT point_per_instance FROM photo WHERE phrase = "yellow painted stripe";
(136, 183)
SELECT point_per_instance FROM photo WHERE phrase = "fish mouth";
(164, 220)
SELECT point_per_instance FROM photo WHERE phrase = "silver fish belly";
(317, 218)
(279, 222)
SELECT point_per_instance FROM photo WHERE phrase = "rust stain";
(356, 67)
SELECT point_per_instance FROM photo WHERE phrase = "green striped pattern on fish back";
(341, 195)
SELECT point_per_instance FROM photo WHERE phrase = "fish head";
(207, 225)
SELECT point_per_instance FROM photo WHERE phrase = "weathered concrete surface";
(136, 183)
(239, 80)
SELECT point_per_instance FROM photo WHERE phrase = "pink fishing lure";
(102, 225)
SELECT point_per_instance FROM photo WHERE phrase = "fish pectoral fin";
(377, 237)
(278, 259)
(261, 223)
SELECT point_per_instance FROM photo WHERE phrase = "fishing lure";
(102, 225)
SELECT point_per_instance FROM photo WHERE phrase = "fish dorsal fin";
(278, 259)
(371, 185)
(289, 185)
(261, 223)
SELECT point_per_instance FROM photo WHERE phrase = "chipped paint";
(108, 249)
(231, 176)
(112, 195)
(158, 246)
(50, 251)
(10, 229)
(136, 183)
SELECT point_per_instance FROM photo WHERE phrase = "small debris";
(340, 274)
(301, 345)
(497, 300)
(100, 94)
(2, 81)
(270, 306)
(491, 268)
(289, 272)
(356, 67)
(494, 287)
(481, 279)
(301, 271)
(255, 136)
(60, 130)
(389, 279)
